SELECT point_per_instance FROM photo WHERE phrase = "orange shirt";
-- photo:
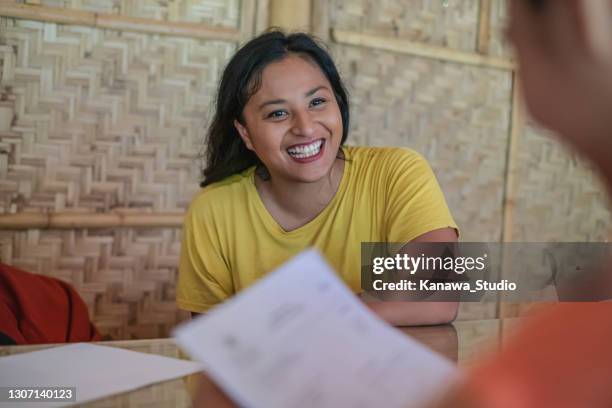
(560, 358)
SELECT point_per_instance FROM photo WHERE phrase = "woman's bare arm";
(404, 313)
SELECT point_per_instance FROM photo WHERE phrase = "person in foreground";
(278, 179)
(561, 357)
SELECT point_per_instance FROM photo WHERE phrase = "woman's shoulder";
(385, 157)
(221, 195)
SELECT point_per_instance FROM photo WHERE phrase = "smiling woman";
(278, 180)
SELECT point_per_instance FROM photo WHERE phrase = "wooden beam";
(262, 16)
(403, 46)
(247, 20)
(69, 220)
(114, 22)
(517, 127)
(484, 27)
(320, 19)
(291, 15)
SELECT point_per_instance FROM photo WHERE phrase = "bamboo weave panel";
(214, 12)
(125, 276)
(96, 119)
(499, 46)
(428, 21)
(558, 196)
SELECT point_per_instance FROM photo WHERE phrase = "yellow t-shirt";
(230, 240)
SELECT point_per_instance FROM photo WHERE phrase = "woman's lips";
(307, 152)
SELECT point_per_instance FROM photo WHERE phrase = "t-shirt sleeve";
(204, 278)
(415, 203)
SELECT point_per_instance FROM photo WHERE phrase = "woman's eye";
(277, 114)
(317, 102)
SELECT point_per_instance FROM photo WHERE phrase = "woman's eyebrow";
(313, 90)
(280, 101)
(272, 102)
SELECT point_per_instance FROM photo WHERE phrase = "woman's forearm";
(406, 313)
(414, 313)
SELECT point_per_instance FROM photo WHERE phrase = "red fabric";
(562, 358)
(37, 309)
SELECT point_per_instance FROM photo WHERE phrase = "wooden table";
(463, 342)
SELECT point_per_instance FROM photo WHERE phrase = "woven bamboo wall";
(126, 276)
(105, 114)
(102, 118)
(225, 13)
(95, 120)
(558, 196)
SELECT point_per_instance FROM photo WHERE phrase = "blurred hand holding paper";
(300, 338)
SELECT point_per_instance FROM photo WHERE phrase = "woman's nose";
(303, 124)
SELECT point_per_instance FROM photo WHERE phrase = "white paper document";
(301, 338)
(95, 371)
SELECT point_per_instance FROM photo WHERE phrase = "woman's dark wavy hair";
(226, 153)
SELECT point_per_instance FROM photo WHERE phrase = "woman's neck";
(293, 204)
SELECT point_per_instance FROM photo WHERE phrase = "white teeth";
(304, 151)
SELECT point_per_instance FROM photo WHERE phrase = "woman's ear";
(244, 134)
